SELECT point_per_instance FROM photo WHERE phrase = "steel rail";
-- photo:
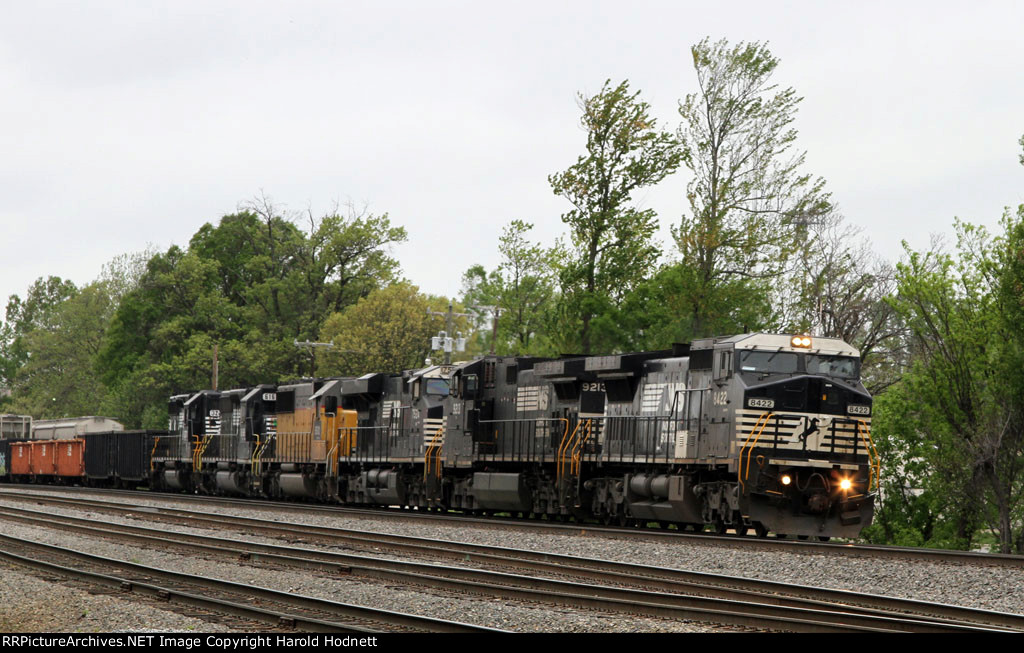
(180, 597)
(736, 613)
(579, 529)
(624, 574)
(141, 577)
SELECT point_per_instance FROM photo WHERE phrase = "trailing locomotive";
(759, 432)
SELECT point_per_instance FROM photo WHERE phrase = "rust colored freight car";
(44, 458)
(70, 457)
(21, 459)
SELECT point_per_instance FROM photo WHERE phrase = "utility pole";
(312, 353)
(215, 361)
(443, 339)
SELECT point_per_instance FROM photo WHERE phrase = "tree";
(612, 239)
(521, 289)
(749, 201)
(248, 286)
(58, 378)
(389, 330)
(122, 274)
(345, 257)
(23, 317)
(1001, 454)
(160, 339)
(658, 311)
(967, 378)
(289, 281)
(921, 497)
(842, 289)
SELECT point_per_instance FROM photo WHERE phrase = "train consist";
(761, 432)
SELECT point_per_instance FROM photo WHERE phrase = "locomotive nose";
(817, 502)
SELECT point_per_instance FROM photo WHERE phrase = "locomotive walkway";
(630, 588)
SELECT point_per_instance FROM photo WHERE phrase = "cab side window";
(724, 364)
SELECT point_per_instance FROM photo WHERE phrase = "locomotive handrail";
(530, 450)
(257, 466)
(875, 468)
(523, 419)
(577, 450)
(196, 452)
(206, 443)
(563, 448)
(255, 452)
(762, 422)
(439, 435)
(152, 454)
(385, 429)
(435, 445)
(329, 418)
(330, 459)
(347, 441)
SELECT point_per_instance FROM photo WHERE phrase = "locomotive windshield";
(768, 362)
(437, 387)
(843, 367)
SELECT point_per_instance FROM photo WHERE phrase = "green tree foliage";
(389, 330)
(749, 200)
(660, 310)
(612, 247)
(24, 316)
(919, 502)
(251, 285)
(521, 288)
(288, 280)
(964, 409)
(839, 288)
(58, 378)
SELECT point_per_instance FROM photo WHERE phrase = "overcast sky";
(125, 124)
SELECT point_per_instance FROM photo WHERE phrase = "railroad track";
(572, 528)
(628, 588)
(258, 604)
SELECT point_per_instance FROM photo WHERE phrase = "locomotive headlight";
(786, 479)
(845, 484)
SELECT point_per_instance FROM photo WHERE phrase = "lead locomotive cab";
(805, 459)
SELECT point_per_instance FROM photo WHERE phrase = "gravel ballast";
(488, 611)
(29, 603)
(994, 588)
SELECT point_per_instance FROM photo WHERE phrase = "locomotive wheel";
(824, 538)
(721, 527)
(760, 530)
